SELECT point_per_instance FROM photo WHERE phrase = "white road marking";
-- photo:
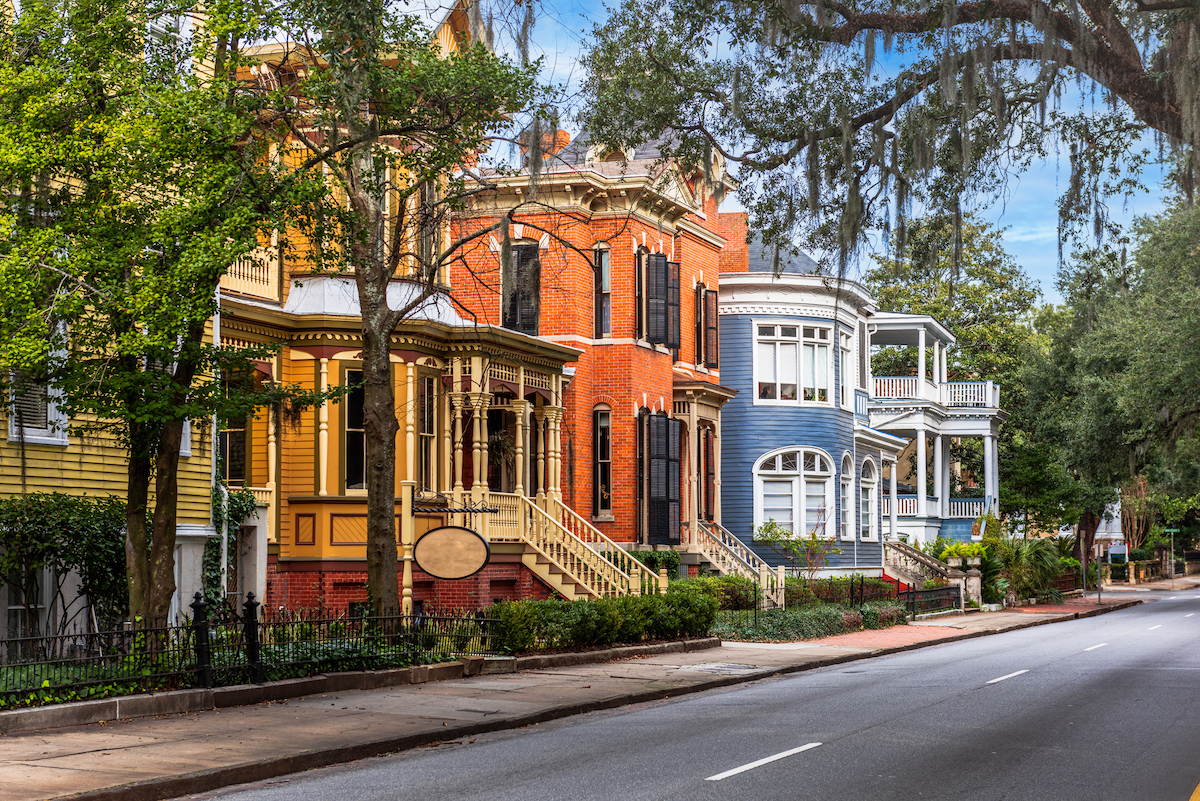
(1094, 647)
(1152, 628)
(758, 763)
(1173, 598)
(1009, 676)
(1189, 615)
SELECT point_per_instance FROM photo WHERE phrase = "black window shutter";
(641, 471)
(710, 475)
(711, 332)
(656, 298)
(674, 500)
(673, 305)
(529, 279)
(659, 507)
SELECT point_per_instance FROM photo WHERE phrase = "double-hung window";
(34, 416)
(521, 290)
(845, 371)
(776, 361)
(355, 434)
(815, 368)
(866, 490)
(427, 433)
(602, 462)
(847, 527)
(603, 294)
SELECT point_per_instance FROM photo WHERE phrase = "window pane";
(789, 461)
(356, 458)
(766, 330)
(814, 507)
(602, 259)
(766, 369)
(787, 331)
(810, 332)
(810, 462)
(806, 372)
(787, 371)
(778, 502)
(770, 464)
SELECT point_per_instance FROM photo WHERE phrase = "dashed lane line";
(1009, 676)
(1094, 647)
(1152, 628)
(758, 763)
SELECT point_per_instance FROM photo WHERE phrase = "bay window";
(793, 363)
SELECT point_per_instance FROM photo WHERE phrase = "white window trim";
(873, 486)
(797, 479)
(846, 483)
(185, 441)
(55, 432)
(799, 325)
(846, 362)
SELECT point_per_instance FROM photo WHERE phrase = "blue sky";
(1028, 212)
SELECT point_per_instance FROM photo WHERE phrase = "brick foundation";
(334, 586)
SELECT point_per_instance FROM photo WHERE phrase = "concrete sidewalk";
(169, 756)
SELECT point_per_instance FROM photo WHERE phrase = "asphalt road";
(1088, 710)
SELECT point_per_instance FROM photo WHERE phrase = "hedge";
(808, 622)
(682, 612)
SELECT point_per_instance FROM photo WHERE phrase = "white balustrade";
(256, 275)
(896, 387)
(966, 507)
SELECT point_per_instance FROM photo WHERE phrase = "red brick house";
(618, 255)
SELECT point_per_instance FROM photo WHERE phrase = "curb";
(125, 707)
(216, 778)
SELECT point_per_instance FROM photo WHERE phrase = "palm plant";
(1029, 565)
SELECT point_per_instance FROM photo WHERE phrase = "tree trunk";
(137, 568)
(166, 512)
(1088, 523)
(380, 426)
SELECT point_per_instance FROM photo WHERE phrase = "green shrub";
(731, 592)
(656, 560)
(807, 622)
(682, 612)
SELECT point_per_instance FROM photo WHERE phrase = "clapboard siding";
(749, 431)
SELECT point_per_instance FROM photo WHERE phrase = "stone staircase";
(728, 555)
(912, 566)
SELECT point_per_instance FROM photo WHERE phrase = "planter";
(954, 561)
(973, 561)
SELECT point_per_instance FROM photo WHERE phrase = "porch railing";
(861, 402)
(954, 393)
(643, 578)
(966, 507)
(906, 506)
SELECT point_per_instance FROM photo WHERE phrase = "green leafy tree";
(395, 127)
(844, 116)
(137, 166)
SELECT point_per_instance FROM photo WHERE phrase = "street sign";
(452, 552)
(1118, 549)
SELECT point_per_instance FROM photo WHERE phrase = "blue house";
(816, 443)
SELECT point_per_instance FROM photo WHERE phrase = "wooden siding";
(749, 431)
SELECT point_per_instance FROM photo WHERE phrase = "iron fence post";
(200, 630)
(250, 633)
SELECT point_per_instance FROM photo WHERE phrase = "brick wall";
(732, 226)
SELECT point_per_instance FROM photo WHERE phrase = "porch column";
(539, 434)
(457, 401)
(945, 365)
(694, 477)
(554, 451)
(989, 454)
(945, 485)
(936, 367)
(272, 469)
(894, 506)
(323, 435)
(445, 410)
(408, 489)
(920, 360)
(521, 410)
(479, 404)
(717, 468)
(921, 473)
(938, 464)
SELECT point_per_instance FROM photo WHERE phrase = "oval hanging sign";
(451, 552)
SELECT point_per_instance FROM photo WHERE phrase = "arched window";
(847, 521)
(794, 488)
(866, 489)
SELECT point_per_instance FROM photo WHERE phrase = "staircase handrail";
(906, 552)
(627, 569)
(727, 551)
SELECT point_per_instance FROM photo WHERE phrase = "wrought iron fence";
(231, 645)
(937, 599)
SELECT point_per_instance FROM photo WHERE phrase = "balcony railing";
(256, 275)
(861, 401)
(907, 506)
(956, 393)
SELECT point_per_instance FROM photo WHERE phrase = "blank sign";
(451, 552)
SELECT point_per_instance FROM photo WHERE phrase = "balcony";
(256, 276)
(971, 394)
